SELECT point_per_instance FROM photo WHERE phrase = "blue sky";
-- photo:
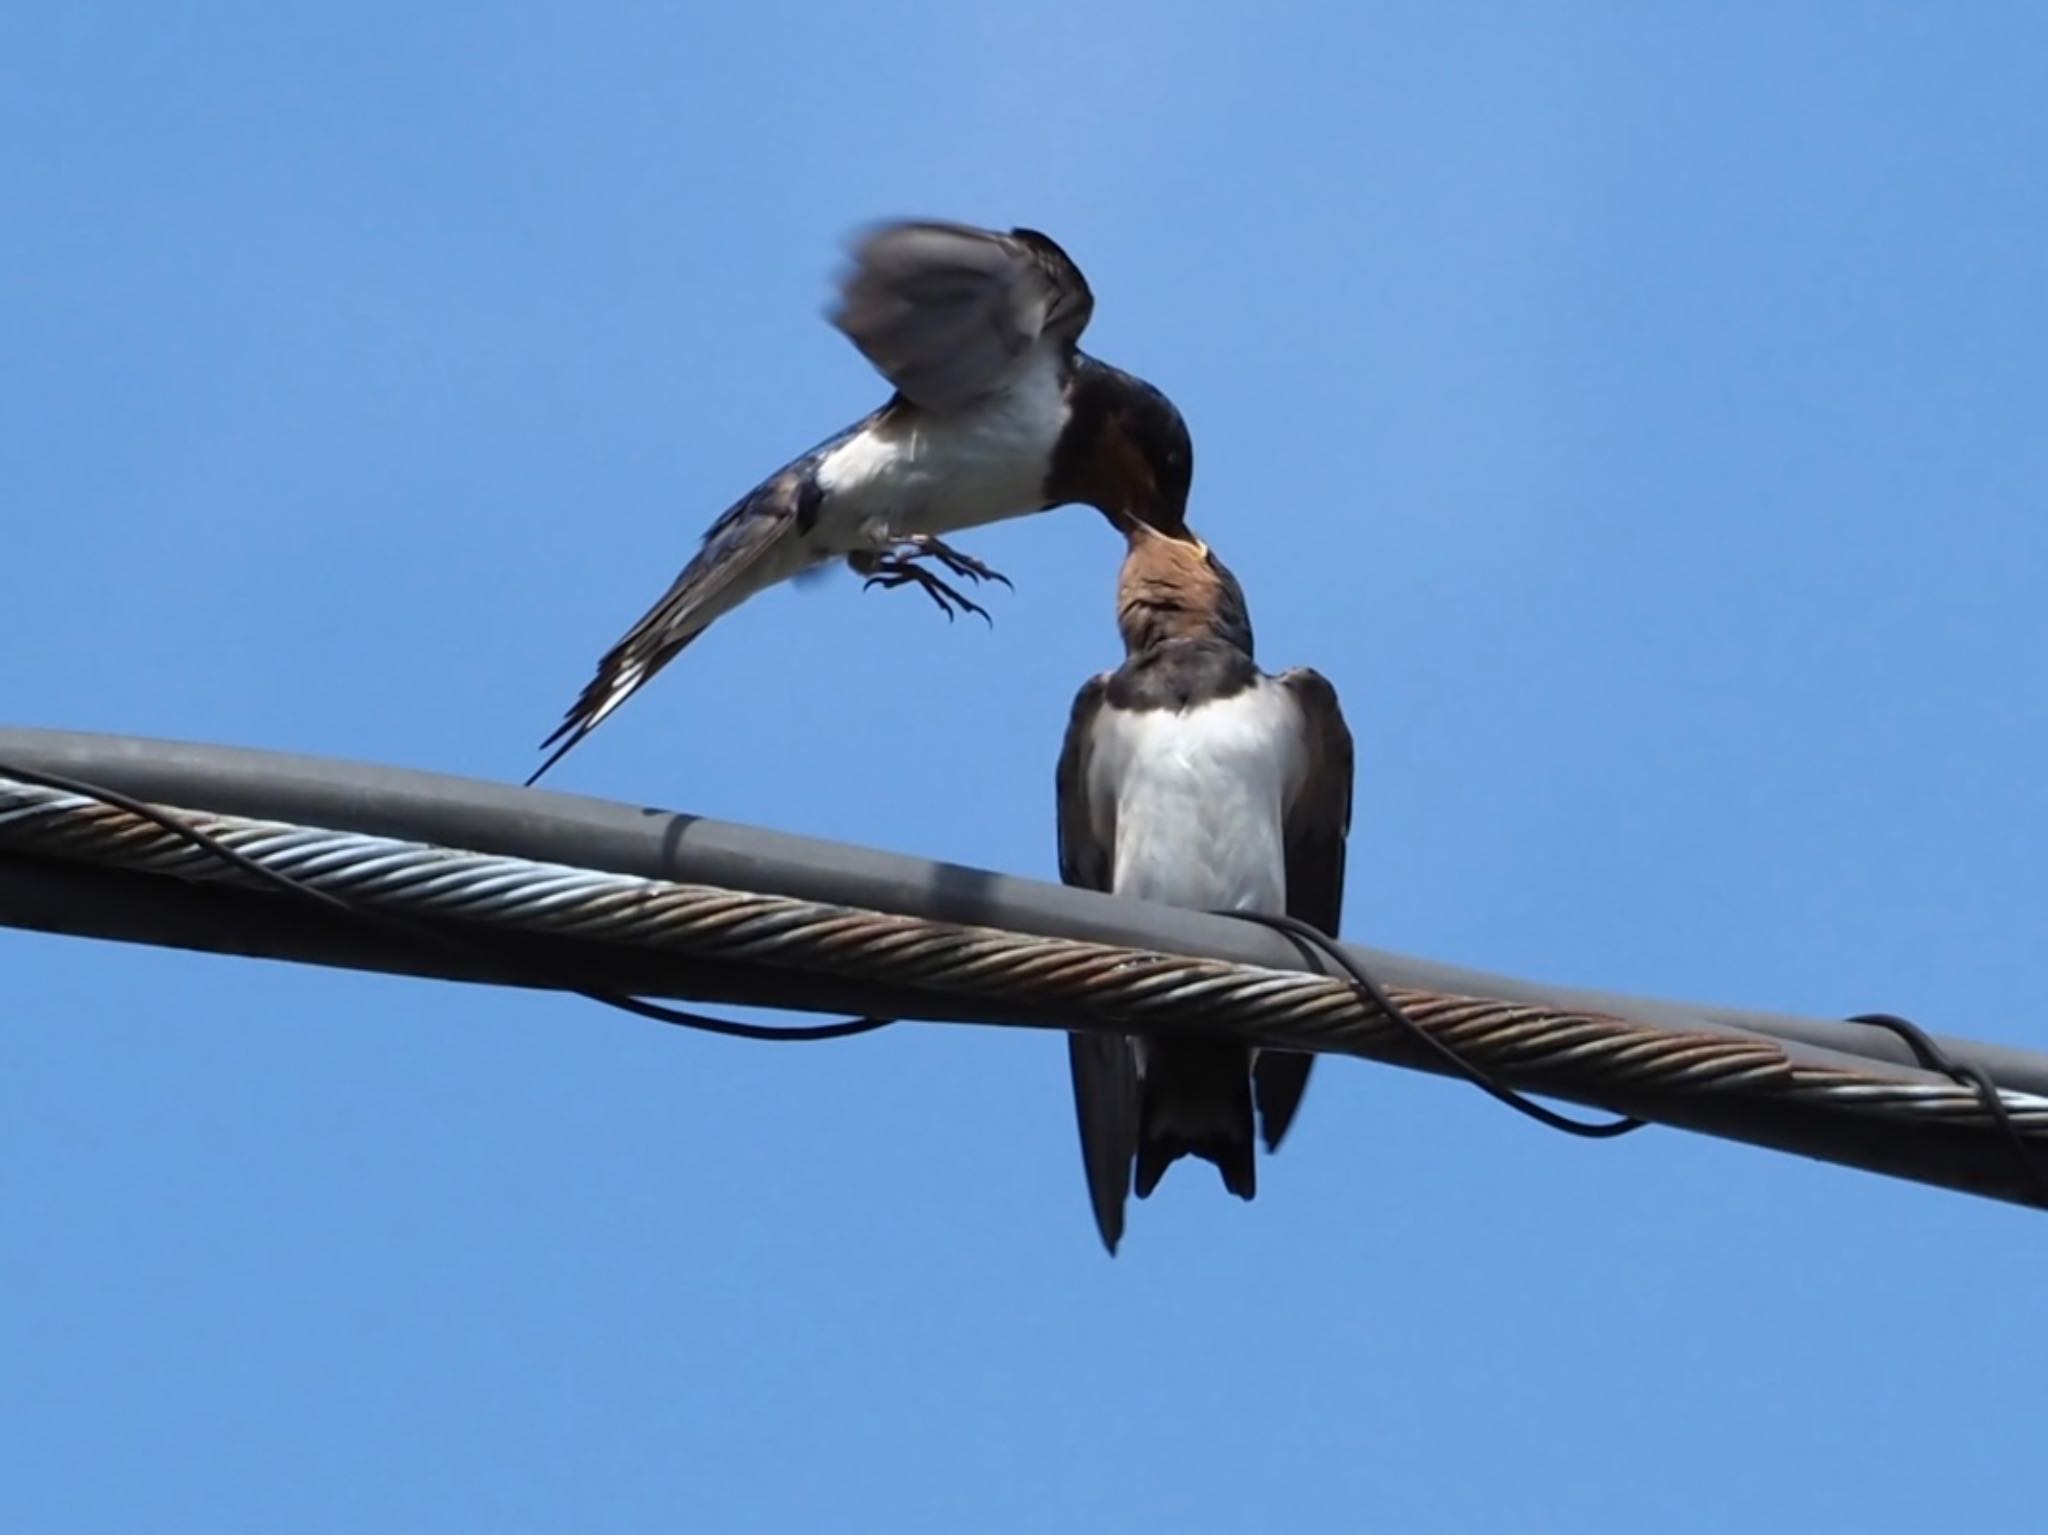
(1635, 410)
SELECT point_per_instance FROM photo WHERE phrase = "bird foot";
(888, 570)
(965, 565)
(902, 568)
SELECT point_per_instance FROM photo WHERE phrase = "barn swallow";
(1189, 776)
(997, 413)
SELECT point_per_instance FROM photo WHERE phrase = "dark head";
(1126, 451)
(1174, 588)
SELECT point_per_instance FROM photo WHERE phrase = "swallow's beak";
(1136, 532)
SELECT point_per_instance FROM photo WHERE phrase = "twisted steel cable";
(1593, 1057)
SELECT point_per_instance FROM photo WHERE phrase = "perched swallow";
(1193, 778)
(997, 413)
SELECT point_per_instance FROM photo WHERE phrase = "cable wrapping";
(1592, 1057)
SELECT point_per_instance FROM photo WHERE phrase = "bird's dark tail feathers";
(1197, 1101)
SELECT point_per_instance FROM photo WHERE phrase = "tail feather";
(1197, 1101)
(1279, 1078)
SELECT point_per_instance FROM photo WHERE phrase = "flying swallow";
(1191, 777)
(997, 413)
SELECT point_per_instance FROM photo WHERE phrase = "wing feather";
(948, 313)
(1105, 1067)
(735, 561)
(1316, 823)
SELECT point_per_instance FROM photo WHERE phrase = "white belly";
(1199, 800)
(976, 466)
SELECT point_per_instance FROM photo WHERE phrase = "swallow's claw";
(934, 588)
(924, 546)
(890, 570)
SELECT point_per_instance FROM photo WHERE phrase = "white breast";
(939, 475)
(1194, 803)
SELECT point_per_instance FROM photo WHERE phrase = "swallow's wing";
(1105, 1066)
(1318, 818)
(947, 312)
(752, 546)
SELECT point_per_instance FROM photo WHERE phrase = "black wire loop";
(1933, 1058)
(1314, 939)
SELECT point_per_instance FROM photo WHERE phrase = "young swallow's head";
(1172, 586)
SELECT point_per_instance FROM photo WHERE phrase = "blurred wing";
(1105, 1066)
(947, 313)
(1318, 820)
(736, 560)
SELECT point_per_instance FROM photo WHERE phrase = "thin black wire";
(411, 928)
(1933, 1058)
(1314, 939)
